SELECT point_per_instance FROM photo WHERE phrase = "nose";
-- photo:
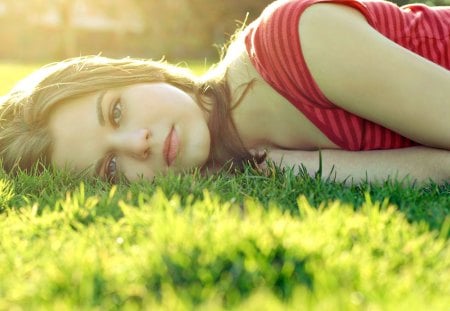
(133, 142)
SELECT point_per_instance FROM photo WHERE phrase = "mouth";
(171, 146)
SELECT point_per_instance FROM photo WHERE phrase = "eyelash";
(116, 106)
(111, 171)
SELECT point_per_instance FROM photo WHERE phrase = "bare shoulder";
(322, 12)
(363, 72)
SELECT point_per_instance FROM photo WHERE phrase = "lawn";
(11, 72)
(247, 242)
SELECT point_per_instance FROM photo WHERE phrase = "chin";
(195, 152)
(199, 156)
(200, 159)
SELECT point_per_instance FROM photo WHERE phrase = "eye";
(111, 172)
(116, 113)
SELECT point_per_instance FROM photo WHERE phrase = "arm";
(416, 163)
(365, 73)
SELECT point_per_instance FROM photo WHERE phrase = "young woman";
(362, 87)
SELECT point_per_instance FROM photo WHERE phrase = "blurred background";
(48, 30)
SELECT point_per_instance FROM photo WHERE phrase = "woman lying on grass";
(363, 87)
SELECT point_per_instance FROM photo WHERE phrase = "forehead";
(76, 132)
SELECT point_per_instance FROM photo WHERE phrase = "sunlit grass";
(11, 73)
(184, 242)
(197, 66)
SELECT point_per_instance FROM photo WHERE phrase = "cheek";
(174, 105)
(147, 113)
(135, 170)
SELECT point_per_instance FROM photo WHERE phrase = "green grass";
(11, 72)
(246, 242)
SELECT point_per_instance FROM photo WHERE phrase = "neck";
(226, 145)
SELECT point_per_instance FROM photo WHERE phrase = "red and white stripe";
(274, 47)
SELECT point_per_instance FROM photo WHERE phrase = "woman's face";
(139, 131)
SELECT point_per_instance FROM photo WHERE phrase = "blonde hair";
(25, 139)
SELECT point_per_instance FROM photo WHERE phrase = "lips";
(171, 146)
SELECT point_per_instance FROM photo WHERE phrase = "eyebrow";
(101, 119)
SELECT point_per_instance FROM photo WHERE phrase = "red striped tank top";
(273, 46)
